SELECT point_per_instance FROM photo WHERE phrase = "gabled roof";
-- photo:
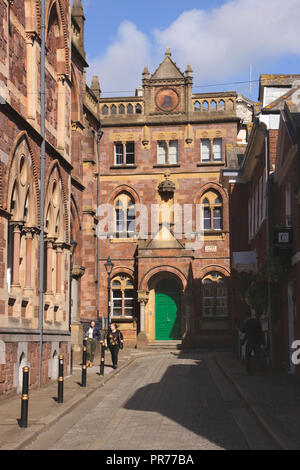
(292, 114)
(167, 69)
(279, 103)
(276, 80)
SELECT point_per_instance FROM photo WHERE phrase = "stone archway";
(168, 310)
(164, 310)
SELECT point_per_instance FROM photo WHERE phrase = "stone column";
(29, 236)
(16, 255)
(143, 297)
(32, 83)
(49, 266)
(188, 339)
(59, 253)
(61, 112)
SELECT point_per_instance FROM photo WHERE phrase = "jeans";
(90, 349)
(114, 350)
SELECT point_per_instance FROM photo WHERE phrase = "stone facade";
(161, 147)
(71, 125)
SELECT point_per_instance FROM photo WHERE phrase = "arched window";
(124, 216)
(212, 211)
(213, 106)
(121, 109)
(105, 110)
(113, 109)
(130, 109)
(122, 296)
(138, 109)
(221, 105)
(197, 106)
(22, 205)
(205, 106)
(214, 296)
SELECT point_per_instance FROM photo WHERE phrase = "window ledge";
(123, 319)
(123, 167)
(214, 232)
(123, 240)
(167, 165)
(221, 163)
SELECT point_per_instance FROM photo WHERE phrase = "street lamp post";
(73, 244)
(109, 267)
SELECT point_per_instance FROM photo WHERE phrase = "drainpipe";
(99, 136)
(42, 179)
(268, 241)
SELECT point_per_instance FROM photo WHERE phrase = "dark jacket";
(119, 337)
(96, 333)
(253, 332)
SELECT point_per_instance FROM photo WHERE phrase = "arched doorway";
(167, 310)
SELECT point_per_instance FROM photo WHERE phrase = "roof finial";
(168, 52)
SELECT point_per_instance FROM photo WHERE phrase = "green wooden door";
(167, 311)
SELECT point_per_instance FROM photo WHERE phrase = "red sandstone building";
(166, 147)
(71, 122)
(265, 240)
(180, 181)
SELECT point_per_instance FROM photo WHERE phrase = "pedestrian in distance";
(93, 335)
(114, 341)
(253, 337)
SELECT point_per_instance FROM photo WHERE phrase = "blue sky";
(220, 39)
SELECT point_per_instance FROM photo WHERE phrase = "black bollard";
(60, 393)
(24, 399)
(102, 358)
(83, 377)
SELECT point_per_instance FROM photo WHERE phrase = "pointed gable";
(167, 69)
(164, 239)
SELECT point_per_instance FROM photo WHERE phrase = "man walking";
(93, 335)
(254, 339)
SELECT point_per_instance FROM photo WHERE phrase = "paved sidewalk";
(274, 398)
(43, 407)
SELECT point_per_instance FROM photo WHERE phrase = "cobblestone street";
(161, 401)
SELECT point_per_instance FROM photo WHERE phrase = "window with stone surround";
(212, 212)
(124, 153)
(122, 296)
(124, 216)
(211, 150)
(214, 296)
(167, 152)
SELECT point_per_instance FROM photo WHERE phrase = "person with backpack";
(114, 342)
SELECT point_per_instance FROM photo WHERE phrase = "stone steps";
(165, 345)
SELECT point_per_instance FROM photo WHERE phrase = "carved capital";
(143, 296)
(78, 271)
(31, 36)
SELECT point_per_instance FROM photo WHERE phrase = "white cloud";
(121, 67)
(220, 44)
(223, 42)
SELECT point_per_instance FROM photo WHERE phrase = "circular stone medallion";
(167, 99)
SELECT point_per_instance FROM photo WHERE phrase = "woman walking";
(114, 341)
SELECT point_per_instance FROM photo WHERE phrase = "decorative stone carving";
(78, 271)
(167, 187)
(143, 296)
